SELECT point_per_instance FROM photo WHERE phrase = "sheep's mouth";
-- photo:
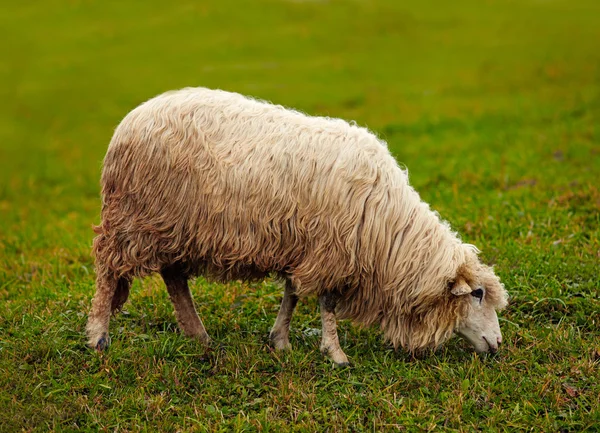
(491, 348)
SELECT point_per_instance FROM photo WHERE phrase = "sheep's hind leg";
(111, 294)
(179, 292)
(280, 333)
(330, 344)
(120, 296)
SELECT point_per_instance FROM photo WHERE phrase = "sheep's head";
(481, 289)
(464, 302)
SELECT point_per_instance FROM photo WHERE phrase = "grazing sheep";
(201, 181)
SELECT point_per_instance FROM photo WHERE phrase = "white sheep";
(207, 182)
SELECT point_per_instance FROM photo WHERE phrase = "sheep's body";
(200, 181)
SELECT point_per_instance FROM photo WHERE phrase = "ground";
(492, 106)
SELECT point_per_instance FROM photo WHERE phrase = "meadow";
(494, 108)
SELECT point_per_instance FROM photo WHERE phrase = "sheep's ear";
(460, 287)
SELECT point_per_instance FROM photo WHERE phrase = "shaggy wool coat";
(232, 187)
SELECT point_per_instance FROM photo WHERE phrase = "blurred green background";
(494, 108)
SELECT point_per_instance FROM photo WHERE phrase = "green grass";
(493, 106)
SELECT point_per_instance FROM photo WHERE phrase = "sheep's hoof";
(283, 346)
(338, 357)
(201, 337)
(279, 343)
(102, 343)
(206, 341)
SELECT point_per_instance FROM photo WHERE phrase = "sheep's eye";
(477, 294)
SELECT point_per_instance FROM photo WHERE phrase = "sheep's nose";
(499, 340)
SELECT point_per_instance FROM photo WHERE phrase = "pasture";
(494, 108)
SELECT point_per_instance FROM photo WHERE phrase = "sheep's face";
(484, 295)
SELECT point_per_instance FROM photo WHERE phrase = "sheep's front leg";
(181, 297)
(280, 333)
(330, 344)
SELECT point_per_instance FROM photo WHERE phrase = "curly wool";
(232, 187)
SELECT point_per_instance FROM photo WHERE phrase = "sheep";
(208, 182)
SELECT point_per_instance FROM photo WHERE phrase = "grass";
(493, 106)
